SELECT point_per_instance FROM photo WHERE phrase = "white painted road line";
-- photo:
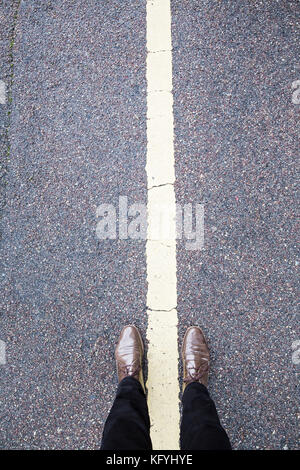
(162, 332)
(2, 92)
(2, 352)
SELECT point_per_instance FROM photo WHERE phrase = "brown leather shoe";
(195, 357)
(129, 354)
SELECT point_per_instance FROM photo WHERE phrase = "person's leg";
(200, 426)
(128, 426)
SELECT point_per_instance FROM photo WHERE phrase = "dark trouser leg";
(128, 424)
(200, 427)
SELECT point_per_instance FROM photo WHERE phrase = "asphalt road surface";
(73, 136)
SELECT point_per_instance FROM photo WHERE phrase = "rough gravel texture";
(78, 139)
(8, 15)
(236, 152)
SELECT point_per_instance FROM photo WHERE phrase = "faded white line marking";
(2, 352)
(2, 92)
